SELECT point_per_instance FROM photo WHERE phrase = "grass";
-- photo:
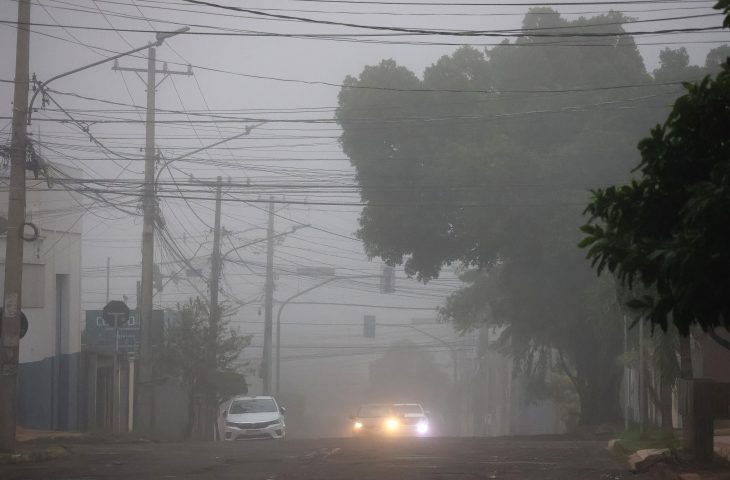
(633, 440)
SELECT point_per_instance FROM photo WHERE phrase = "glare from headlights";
(422, 427)
(357, 426)
(391, 424)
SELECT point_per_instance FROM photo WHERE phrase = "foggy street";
(523, 458)
(364, 239)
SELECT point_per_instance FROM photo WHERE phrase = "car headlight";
(392, 424)
(422, 427)
(357, 426)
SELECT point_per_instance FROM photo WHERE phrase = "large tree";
(486, 161)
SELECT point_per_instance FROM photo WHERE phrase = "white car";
(253, 417)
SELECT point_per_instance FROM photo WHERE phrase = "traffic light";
(368, 326)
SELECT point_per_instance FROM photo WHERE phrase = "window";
(252, 405)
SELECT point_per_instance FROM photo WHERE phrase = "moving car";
(375, 419)
(253, 417)
(413, 419)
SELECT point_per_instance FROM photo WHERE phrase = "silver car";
(253, 417)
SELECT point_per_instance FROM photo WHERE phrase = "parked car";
(253, 417)
(375, 419)
(413, 419)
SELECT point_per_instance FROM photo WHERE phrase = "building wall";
(51, 300)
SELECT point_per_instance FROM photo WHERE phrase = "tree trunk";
(685, 366)
(665, 396)
(191, 415)
(599, 400)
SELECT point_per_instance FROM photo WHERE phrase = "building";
(51, 300)
(107, 408)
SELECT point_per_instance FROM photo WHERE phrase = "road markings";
(321, 454)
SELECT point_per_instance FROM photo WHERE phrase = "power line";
(464, 33)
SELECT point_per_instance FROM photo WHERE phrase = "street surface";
(338, 458)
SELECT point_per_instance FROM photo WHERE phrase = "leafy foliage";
(494, 182)
(184, 355)
(668, 230)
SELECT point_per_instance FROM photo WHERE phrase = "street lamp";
(218, 259)
(261, 240)
(160, 37)
(297, 295)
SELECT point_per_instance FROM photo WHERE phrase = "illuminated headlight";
(357, 426)
(392, 424)
(422, 427)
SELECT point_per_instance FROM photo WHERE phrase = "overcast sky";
(224, 67)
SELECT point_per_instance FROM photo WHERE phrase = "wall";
(51, 299)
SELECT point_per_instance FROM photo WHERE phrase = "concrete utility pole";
(10, 342)
(269, 301)
(215, 314)
(150, 214)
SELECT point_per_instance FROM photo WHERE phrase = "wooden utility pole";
(149, 209)
(10, 341)
(211, 407)
(268, 302)
(145, 399)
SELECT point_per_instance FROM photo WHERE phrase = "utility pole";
(10, 342)
(108, 260)
(215, 273)
(269, 301)
(145, 400)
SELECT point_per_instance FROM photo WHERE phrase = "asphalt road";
(338, 458)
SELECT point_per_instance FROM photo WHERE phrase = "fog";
(474, 170)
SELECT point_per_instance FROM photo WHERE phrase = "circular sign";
(115, 313)
(23, 324)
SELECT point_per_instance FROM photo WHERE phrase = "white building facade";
(51, 300)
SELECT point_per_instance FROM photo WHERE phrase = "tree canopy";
(668, 230)
(486, 163)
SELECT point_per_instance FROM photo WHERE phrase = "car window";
(408, 408)
(374, 411)
(252, 405)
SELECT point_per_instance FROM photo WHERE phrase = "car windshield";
(374, 411)
(252, 405)
(408, 408)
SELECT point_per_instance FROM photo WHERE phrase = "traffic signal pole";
(10, 341)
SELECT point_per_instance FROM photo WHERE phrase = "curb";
(33, 456)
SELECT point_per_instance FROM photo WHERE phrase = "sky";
(238, 73)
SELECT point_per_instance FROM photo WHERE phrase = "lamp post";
(284, 304)
(159, 38)
(266, 361)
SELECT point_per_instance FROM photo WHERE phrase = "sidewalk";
(28, 435)
(37, 446)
